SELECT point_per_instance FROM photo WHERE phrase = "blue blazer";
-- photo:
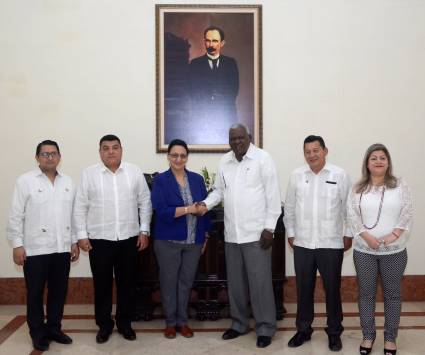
(166, 197)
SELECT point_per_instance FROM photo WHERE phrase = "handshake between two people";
(197, 209)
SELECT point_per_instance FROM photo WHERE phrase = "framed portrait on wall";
(208, 74)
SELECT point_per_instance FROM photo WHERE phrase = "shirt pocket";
(329, 190)
(67, 193)
(40, 237)
(66, 231)
(98, 196)
(39, 195)
(251, 176)
(303, 190)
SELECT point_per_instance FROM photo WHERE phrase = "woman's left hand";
(388, 239)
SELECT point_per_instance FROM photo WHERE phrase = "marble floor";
(79, 324)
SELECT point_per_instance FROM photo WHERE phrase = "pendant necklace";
(379, 211)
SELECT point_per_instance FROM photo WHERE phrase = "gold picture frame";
(196, 101)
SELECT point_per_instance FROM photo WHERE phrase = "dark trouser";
(177, 263)
(52, 269)
(249, 278)
(109, 258)
(391, 268)
(329, 263)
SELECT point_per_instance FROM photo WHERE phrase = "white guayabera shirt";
(109, 205)
(40, 217)
(250, 192)
(315, 207)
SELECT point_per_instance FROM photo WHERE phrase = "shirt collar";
(325, 168)
(210, 57)
(104, 168)
(250, 153)
(39, 172)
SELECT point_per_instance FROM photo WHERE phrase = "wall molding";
(80, 290)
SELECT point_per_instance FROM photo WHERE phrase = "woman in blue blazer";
(179, 235)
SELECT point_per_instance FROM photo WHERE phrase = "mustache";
(210, 49)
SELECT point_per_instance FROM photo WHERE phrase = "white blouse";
(397, 211)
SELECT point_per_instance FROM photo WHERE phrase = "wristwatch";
(146, 233)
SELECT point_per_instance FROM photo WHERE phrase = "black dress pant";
(109, 258)
(52, 269)
(329, 263)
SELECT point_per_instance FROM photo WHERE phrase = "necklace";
(379, 211)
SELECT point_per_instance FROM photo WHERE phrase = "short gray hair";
(240, 125)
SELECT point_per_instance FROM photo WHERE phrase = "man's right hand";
(84, 244)
(291, 242)
(19, 255)
(201, 208)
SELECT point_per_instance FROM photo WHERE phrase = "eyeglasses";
(175, 156)
(49, 154)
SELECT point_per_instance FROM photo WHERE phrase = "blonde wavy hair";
(364, 184)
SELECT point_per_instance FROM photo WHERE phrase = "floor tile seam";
(217, 330)
(11, 327)
(287, 315)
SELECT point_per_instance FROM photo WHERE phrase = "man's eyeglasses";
(175, 156)
(49, 154)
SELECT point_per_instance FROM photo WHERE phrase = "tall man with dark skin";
(248, 186)
(40, 232)
(214, 86)
(315, 214)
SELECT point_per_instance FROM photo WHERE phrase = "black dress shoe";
(127, 333)
(103, 335)
(335, 343)
(231, 334)
(41, 344)
(60, 337)
(298, 339)
(263, 341)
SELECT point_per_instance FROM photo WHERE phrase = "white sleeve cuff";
(17, 243)
(82, 235)
(145, 228)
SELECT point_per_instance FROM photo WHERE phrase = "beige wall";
(350, 70)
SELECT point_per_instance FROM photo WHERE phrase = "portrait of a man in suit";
(214, 85)
(209, 74)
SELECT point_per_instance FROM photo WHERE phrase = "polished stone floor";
(79, 324)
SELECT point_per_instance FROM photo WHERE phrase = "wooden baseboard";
(80, 290)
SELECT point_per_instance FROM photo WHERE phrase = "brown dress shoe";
(186, 331)
(170, 332)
